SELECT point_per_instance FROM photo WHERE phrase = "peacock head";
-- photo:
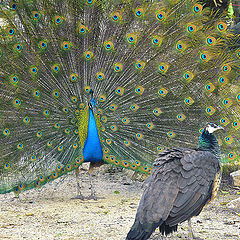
(92, 103)
(212, 127)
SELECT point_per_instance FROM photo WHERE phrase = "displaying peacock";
(115, 81)
(182, 182)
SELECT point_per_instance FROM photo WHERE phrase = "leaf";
(29, 214)
(224, 192)
(224, 203)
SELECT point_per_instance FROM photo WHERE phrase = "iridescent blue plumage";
(92, 150)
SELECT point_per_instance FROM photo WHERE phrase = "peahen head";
(212, 127)
(207, 140)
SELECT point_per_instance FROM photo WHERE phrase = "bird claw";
(92, 196)
(80, 196)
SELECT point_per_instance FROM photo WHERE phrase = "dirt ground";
(50, 213)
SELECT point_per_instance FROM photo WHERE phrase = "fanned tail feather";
(158, 70)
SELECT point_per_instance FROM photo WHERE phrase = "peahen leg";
(190, 234)
(79, 194)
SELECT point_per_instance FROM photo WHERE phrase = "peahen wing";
(158, 71)
(180, 185)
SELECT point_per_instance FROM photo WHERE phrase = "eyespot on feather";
(161, 16)
(180, 46)
(211, 41)
(100, 76)
(119, 91)
(127, 143)
(162, 92)
(134, 107)
(14, 79)
(222, 80)
(56, 68)
(88, 55)
(13, 6)
(131, 38)
(139, 136)
(139, 65)
(139, 13)
(181, 117)
(18, 47)
(209, 87)
(10, 31)
(171, 134)
(82, 30)
(108, 45)
(197, 8)
(156, 41)
(224, 121)
(58, 20)
(139, 90)
(118, 67)
(163, 67)
(36, 15)
(157, 111)
(125, 120)
(221, 26)
(102, 98)
(236, 125)
(210, 110)
(227, 102)
(116, 17)
(188, 76)
(226, 68)
(191, 28)
(66, 46)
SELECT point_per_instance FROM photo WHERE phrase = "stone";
(235, 178)
(235, 204)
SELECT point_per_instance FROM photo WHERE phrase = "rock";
(85, 166)
(235, 204)
(235, 178)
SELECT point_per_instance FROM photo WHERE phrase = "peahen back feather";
(158, 71)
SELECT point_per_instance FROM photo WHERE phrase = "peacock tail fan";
(157, 71)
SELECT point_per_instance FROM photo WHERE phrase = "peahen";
(182, 182)
(113, 81)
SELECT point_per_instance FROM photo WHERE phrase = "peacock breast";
(92, 150)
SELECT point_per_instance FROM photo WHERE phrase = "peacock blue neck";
(208, 142)
(92, 150)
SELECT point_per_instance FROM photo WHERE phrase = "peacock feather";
(118, 81)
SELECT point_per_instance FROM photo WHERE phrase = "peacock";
(113, 82)
(182, 182)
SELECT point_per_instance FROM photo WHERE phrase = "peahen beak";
(221, 128)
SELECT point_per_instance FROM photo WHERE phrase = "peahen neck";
(208, 142)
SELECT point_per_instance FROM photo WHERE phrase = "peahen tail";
(119, 81)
